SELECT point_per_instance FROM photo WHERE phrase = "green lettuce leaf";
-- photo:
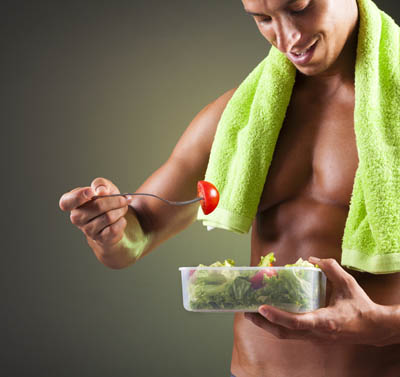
(267, 260)
(301, 263)
(227, 263)
(230, 289)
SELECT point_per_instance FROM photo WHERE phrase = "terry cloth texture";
(249, 128)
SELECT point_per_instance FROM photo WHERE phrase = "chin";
(320, 64)
(314, 70)
(309, 71)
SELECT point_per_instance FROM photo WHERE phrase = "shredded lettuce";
(267, 260)
(290, 289)
(227, 263)
(301, 263)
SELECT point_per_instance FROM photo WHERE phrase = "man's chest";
(316, 153)
(307, 192)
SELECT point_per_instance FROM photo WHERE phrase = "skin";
(302, 211)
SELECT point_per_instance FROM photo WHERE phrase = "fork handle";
(152, 195)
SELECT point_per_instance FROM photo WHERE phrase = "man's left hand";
(351, 316)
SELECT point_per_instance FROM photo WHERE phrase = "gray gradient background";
(105, 88)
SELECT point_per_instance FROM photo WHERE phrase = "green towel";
(249, 127)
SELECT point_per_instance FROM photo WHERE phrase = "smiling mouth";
(304, 52)
(303, 57)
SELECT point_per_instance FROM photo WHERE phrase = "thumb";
(100, 186)
(333, 271)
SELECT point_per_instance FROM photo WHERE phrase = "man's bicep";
(177, 178)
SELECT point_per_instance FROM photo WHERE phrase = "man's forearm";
(128, 250)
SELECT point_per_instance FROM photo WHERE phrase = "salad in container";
(222, 287)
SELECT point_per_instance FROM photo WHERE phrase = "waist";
(258, 353)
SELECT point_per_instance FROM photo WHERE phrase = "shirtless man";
(302, 211)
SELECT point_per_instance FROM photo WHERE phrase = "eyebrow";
(262, 14)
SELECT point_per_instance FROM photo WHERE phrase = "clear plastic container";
(244, 289)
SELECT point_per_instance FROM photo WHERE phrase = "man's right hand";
(102, 220)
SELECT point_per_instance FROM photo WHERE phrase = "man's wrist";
(128, 250)
(135, 240)
(389, 324)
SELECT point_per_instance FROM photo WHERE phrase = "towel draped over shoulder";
(249, 128)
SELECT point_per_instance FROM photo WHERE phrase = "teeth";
(298, 54)
(301, 53)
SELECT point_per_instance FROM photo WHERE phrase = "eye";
(298, 11)
(263, 20)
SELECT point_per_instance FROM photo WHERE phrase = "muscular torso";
(302, 212)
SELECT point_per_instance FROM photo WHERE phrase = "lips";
(303, 56)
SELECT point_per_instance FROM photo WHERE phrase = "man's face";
(312, 33)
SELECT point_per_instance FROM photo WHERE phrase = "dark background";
(105, 88)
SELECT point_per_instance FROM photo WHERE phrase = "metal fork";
(154, 196)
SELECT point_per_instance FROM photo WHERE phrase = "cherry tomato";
(258, 279)
(210, 195)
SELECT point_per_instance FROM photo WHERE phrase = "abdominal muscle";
(284, 230)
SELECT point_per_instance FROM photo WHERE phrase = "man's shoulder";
(217, 107)
(206, 121)
(197, 140)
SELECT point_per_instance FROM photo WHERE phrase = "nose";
(286, 35)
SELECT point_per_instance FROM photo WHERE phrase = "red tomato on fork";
(210, 195)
